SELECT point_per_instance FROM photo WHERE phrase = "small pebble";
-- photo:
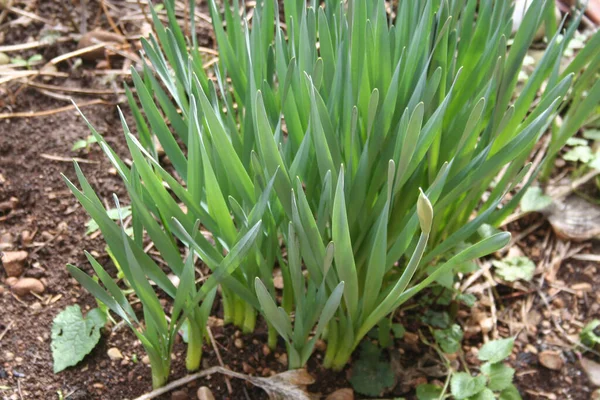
(204, 393)
(266, 350)
(8, 356)
(341, 394)
(551, 360)
(411, 338)
(321, 346)
(4, 59)
(14, 262)
(239, 343)
(146, 360)
(247, 368)
(114, 354)
(26, 285)
(283, 359)
(179, 395)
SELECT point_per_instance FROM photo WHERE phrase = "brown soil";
(46, 207)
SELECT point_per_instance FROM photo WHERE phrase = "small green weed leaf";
(398, 331)
(582, 154)
(19, 62)
(84, 143)
(485, 394)
(500, 376)
(496, 350)
(595, 163)
(463, 385)
(592, 134)
(534, 199)
(74, 336)
(80, 144)
(449, 339)
(574, 141)
(113, 214)
(428, 392)
(590, 334)
(437, 319)
(510, 393)
(468, 299)
(34, 59)
(515, 268)
(370, 375)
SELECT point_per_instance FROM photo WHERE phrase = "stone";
(14, 262)
(146, 360)
(26, 285)
(239, 343)
(341, 394)
(411, 338)
(179, 395)
(321, 345)
(551, 360)
(283, 359)
(204, 393)
(8, 356)
(266, 350)
(4, 59)
(114, 354)
(592, 369)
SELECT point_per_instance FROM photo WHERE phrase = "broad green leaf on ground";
(371, 376)
(74, 336)
(510, 393)
(583, 154)
(500, 376)
(449, 339)
(534, 199)
(428, 392)
(515, 268)
(496, 350)
(463, 385)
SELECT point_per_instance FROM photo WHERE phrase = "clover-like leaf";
(370, 375)
(74, 336)
(515, 268)
(534, 199)
(583, 154)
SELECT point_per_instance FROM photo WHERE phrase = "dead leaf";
(287, 385)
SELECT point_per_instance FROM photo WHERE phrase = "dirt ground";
(39, 215)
